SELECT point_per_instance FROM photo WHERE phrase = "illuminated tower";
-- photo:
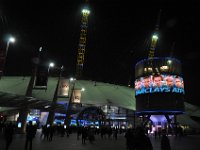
(82, 42)
(154, 41)
(80, 59)
(159, 87)
(154, 38)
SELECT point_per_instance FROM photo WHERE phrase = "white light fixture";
(72, 79)
(11, 39)
(51, 64)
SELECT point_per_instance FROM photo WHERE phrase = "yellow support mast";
(154, 39)
(82, 42)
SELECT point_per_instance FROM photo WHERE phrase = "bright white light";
(51, 64)
(169, 62)
(40, 49)
(12, 39)
(83, 89)
(47, 106)
(72, 79)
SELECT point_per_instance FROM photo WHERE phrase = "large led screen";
(159, 84)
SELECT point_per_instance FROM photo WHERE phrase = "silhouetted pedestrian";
(84, 135)
(115, 133)
(30, 134)
(51, 132)
(155, 134)
(142, 141)
(165, 144)
(78, 132)
(9, 130)
(130, 139)
(43, 131)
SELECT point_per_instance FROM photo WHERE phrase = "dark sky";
(118, 33)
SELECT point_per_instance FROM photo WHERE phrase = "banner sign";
(63, 89)
(76, 98)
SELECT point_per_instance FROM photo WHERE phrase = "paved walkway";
(191, 142)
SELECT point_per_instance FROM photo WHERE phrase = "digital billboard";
(159, 86)
(163, 83)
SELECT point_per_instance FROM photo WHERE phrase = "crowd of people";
(136, 138)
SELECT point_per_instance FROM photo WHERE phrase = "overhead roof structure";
(13, 89)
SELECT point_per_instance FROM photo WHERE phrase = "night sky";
(118, 35)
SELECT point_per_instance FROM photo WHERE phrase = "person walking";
(9, 130)
(143, 142)
(84, 135)
(130, 139)
(165, 144)
(30, 134)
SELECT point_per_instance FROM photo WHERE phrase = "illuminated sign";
(76, 96)
(159, 84)
(63, 90)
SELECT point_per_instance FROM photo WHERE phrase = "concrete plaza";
(190, 142)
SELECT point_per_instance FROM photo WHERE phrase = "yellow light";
(149, 69)
(85, 11)
(164, 67)
(155, 37)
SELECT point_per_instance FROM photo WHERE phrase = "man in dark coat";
(165, 144)
(30, 134)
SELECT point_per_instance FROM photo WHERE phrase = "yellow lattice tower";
(82, 43)
(154, 40)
